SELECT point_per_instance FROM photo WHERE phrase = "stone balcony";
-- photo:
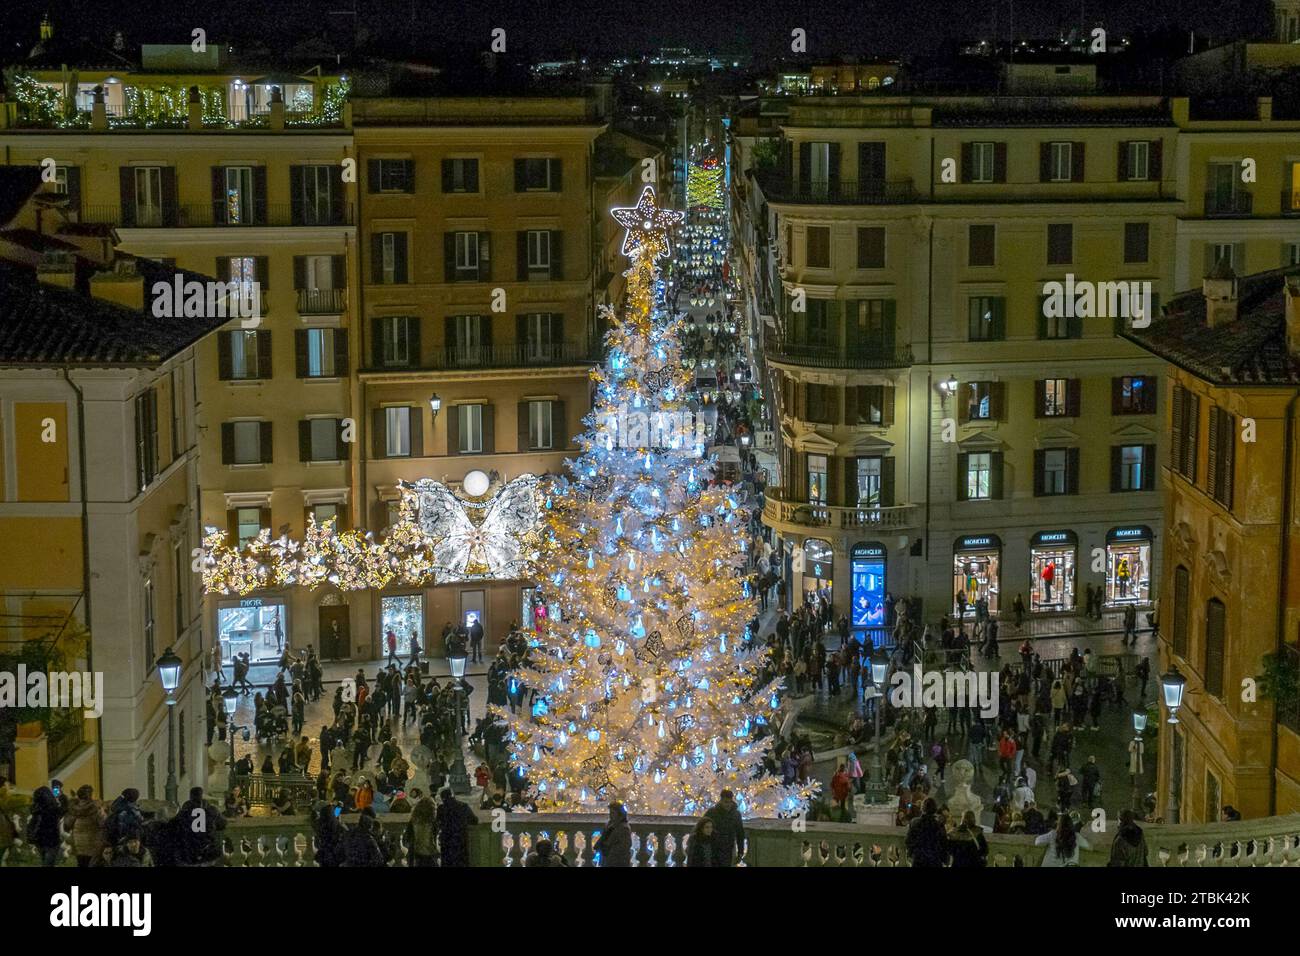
(663, 841)
(799, 516)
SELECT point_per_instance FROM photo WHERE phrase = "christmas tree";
(647, 691)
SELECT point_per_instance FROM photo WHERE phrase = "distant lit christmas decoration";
(704, 184)
(647, 689)
(647, 226)
(439, 538)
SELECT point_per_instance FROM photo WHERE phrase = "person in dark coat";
(329, 836)
(454, 820)
(967, 844)
(198, 825)
(615, 844)
(700, 851)
(1130, 845)
(44, 831)
(359, 845)
(927, 844)
(728, 830)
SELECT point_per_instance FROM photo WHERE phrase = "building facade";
(1231, 596)
(100, 512)
(241, 176)
(938, 425)
(477, 322)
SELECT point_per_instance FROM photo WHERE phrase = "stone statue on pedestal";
(961, 798)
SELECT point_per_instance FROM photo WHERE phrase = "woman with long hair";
(1063, 844)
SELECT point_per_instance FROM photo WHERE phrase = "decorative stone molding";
(1184, 540)
(1216, 564)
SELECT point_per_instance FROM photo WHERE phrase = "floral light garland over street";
(439, 537)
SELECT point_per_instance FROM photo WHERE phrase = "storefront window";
(1128, 566)
(252, 626)
(818, 569)
(403, 614)
(976, 574)
(868, 586)
(1052, 571)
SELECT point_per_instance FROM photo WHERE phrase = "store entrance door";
(335, 639)
(472, 608)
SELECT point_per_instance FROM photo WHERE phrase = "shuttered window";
(1182, 595)
(1221, 457)
(1215, 639)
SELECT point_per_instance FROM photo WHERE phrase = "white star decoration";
(647, 225)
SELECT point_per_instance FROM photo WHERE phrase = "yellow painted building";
(933, 417)
(98, 507)
(477, 318)
(242, 175)
(1231, 582)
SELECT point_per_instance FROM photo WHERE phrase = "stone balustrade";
(664, 841)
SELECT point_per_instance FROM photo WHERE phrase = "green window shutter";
(995, 475)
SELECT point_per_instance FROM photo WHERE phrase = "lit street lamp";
(1174, 686)
(169, 672)
(879, 671)
(459, 776)
(1137, 747)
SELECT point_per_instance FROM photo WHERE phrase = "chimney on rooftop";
(1220, 290)
(122, 285)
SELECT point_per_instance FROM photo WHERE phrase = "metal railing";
(263, 790)
(1239, 203)
(814, 515)
(322, 301)
(63, 741)
(865, 192)
(514, 356)
(210, 214)
(827, 356)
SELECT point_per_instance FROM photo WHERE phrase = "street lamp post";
(459, 776)
(1138, 745)
(879, 670)
(1174, 685)
(230, 699)
(169, 671)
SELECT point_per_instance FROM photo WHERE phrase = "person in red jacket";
(1049, 575)
(841, 786)
(1007, 754)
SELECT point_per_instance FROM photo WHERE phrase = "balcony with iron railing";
(217, 215)
(778, 349)
(322, 301)
(846, 192)
(778, 512)
(455, 358)
(288, 841)
(515, 356)
(1221, 205)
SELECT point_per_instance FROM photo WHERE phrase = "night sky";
(583, 27)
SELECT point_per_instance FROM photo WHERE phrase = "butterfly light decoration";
(478, 540)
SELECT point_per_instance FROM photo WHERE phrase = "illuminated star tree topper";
(647, 225)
